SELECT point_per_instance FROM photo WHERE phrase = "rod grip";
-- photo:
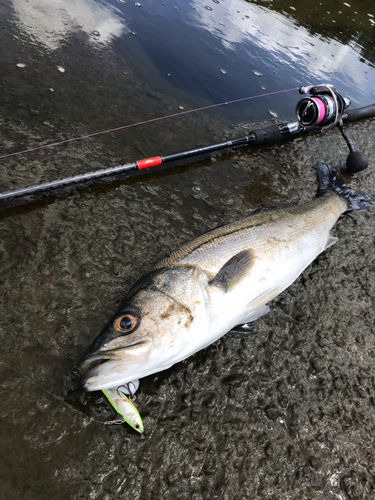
(351, 115)
(266, 135)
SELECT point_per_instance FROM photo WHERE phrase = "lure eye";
(125, 323)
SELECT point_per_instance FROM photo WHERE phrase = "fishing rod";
(320, 111)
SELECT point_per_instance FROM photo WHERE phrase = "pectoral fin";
(234, 270)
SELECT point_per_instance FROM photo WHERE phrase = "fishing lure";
(125, 407)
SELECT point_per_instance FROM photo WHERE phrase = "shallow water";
(287, 413)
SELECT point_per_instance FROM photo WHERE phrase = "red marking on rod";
(149, 162)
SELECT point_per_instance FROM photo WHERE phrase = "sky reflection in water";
(211, 49)
(50, 23)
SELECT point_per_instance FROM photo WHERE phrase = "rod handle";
(351, 115)
(265, 135)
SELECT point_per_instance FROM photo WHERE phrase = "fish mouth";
(105, 369)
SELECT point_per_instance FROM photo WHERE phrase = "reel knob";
(356, 161)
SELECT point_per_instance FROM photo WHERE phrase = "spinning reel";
(325, 109)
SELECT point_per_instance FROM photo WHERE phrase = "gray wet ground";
(287, 413)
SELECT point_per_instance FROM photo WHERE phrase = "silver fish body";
(219, 280)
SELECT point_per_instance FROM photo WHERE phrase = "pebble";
(257, 73)
(208, 7)
(61, 69)
(273, 114)
(223, 71)
(21, 65)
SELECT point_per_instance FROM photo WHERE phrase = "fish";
(122, 404)
(222, 279)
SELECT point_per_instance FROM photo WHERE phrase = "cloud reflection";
(49, 22)
(236, 22)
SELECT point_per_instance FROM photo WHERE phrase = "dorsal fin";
(234, 270)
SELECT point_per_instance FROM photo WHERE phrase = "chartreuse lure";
(124, 407)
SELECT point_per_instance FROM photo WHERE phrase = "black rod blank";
(266, 135)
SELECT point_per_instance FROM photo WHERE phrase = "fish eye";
(125, 323)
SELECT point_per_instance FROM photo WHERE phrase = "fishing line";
(58, 398)
(313, 114)
(145, 122)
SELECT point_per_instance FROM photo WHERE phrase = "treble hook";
(131, 392)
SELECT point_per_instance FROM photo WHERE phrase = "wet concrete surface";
(287, 413)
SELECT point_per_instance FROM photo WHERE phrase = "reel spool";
(324, 109)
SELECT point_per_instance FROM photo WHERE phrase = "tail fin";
(328, 180)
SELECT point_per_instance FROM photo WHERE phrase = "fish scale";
(261, 233)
